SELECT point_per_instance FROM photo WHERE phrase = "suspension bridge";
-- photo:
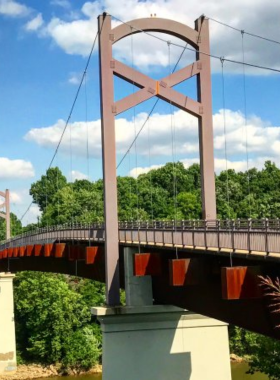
(209, 266)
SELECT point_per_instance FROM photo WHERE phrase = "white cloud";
(35, 24)
(135, 172)
(61, 3)
(13, 8)
(76, 175)
(49, 137)
(220, 165)
(75, 78)
(32, 215)
(75, 37)
(15, 169)
(253, 136)
(15, 197)
(19, 197)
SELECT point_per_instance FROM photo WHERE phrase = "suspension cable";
(200, 51)
(246, 126)
(243, 31)
(150, 173)
(173, 151)
(135, 146)
(70, 113)
(87, 132)
(225, 132)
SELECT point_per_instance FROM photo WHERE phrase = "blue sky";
(44, 48)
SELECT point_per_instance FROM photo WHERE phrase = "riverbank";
(36, 371)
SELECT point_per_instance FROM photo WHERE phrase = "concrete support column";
(162, 343)
(7, 324)
(138, 290)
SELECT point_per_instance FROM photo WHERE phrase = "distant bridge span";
(210, 245)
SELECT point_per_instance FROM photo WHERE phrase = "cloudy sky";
(44, 49)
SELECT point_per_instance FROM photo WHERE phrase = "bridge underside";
(202, 293)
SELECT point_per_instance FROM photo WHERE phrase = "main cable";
(243, 31)
(70, 113)
(200, 51)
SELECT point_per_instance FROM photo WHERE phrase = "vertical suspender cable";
(225, 133)
(173, 151)
(135, 144)
(245, 116)
(150, 174)
(87, 135)
(87, 132)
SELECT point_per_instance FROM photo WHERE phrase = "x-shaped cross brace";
(162, 88)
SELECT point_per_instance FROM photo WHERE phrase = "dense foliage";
(16, 228)
(170, 192)
(52, 312)
(53, 320)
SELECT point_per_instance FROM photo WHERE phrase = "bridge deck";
(260, 237)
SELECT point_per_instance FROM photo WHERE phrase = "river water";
(238, 371)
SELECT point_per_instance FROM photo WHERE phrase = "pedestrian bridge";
(210, 267)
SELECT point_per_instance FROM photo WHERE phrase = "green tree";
(44, 190)
(16, 227)
(265, 357)
(81, 349)
(189, 206)
(50, 316)
(68, 205)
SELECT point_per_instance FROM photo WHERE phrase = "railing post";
(193, 228)
(218, 237)
(205, 233)
(182, 232)
(249, 230)
(266, 236)
(232, 234)
(173, 230)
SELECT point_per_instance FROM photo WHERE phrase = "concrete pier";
(162, 343)
(7, 325)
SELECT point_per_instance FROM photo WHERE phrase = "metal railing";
(262, 235)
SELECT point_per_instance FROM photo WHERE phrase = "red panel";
(147, 264)
(91, 253)
(38, 249)
(48, 250)
(22, 251)
(73, 252)
(59, 250)
(29, 250)
(178, 270)
(4, 253)
(16, 252)
(81, 249)
(76, 252)
(241, 283)
(10, 252)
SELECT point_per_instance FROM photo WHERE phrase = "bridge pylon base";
(162, 342)
(7, 325)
